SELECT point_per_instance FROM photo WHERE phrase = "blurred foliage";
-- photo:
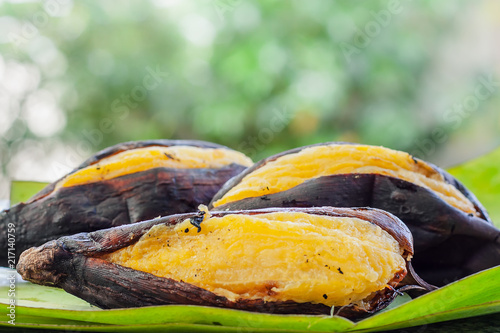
(260, 77)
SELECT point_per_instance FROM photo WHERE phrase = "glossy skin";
(449, 244)
(127, 199)
(73, 263)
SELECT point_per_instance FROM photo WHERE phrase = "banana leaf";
(482, 177)
(475, 295)
(21, 190)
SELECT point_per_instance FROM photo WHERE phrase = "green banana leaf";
(21, 190)
(53, 309)
(482, 177)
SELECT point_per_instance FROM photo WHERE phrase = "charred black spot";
(171, 157)
(196, 221)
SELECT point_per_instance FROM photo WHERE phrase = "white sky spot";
(61, 159)
(4, 203)
(73, 26)
(2, 67)
(43, 51)
(100, 62)
(43, 117)
(315, 85)
(8, 25)
(166, 3)
(197, 30)
(4, 192)
(19, 78)
(272, 58)
(58, 8)
(21, 1)
(42, 160)
(25, 163)
(8, 113)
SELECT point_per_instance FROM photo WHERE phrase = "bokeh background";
(257, 76)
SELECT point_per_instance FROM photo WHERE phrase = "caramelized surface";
(274, 256)
(140, 159)
(293, 169)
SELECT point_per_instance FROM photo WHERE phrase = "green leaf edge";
(171, 327)
(191, 314)
(477, 290)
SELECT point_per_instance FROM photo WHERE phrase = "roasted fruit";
(293, 260)
(452, 232)
(126, 183)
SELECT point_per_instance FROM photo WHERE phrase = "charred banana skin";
(73, 263)
(449, 244)
(130, 198)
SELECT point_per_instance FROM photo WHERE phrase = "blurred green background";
(257, 76)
